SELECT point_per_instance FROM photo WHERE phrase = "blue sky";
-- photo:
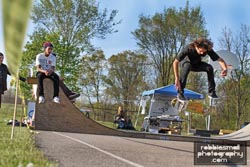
(217, 13)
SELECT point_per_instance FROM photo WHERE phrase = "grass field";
(21, 151)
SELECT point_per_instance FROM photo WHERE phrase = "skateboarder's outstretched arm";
(223, 66)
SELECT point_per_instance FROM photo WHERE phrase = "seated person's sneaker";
(73, 96)
(212, 95)
(56, 100)
(181, 96)
(41, 99)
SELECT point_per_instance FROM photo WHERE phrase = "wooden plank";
(31, 80)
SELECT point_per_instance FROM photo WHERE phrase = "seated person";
(120, 115)
(71, 95)
(46, 63)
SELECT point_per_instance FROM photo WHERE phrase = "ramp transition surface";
(241, 135)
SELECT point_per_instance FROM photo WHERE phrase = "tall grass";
(21, 151)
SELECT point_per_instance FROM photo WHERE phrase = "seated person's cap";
(47, 44)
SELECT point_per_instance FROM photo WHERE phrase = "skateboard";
(213, 101)
(179, 104)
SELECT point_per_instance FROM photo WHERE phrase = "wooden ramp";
(65, 117)
(241, 135)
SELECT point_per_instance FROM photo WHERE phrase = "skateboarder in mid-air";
(190, 59)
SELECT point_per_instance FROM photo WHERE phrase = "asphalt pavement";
(85, 150)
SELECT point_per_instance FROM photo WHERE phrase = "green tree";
(92, 76)
(75, 22)
(236, 88)
(69, 25)
(163, 35)
(125, 80)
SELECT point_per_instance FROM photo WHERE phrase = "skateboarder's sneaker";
(56, 100)
(213, 95)
(41, 100)
(181, 97)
